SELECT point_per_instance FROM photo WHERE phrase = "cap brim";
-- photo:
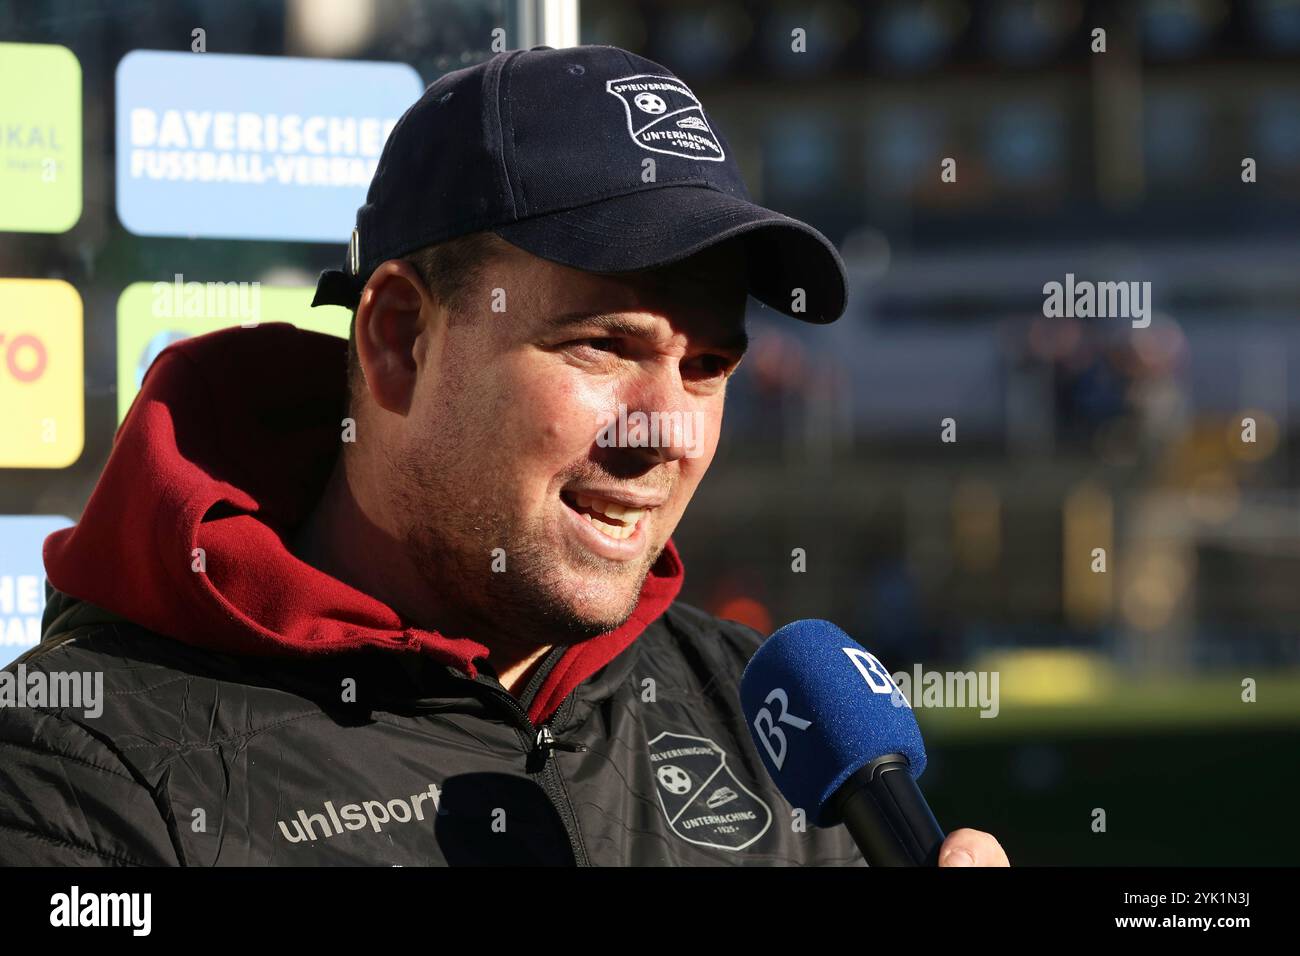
(657, 227)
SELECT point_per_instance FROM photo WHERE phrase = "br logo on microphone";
(766, 727)
(874, 673)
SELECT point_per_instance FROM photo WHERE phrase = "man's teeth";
(625, 519)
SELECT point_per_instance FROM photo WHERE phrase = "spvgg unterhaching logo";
(55, 690)
(74, 908)
(207, 300)
(1101, 300)
(676, 429)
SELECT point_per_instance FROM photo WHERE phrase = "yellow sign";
(42, 405)
(40, 138)
(153, 315)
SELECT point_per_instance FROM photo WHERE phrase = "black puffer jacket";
(257, 710)
(205, 759)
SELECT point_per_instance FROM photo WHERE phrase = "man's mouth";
(610, 518)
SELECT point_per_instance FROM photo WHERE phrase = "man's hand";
(972, 848)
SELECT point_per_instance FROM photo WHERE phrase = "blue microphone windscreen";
(819, 707)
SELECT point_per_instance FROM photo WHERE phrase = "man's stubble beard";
(451, 548)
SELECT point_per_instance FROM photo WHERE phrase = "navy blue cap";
(546, 148)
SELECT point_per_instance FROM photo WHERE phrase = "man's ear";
(391, 323)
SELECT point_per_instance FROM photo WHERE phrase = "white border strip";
(559, 27)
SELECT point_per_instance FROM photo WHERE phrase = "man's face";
(524, 435)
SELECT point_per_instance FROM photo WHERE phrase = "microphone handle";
(887, 816)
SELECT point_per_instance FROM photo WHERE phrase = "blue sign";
(22, 580)
(251, 147)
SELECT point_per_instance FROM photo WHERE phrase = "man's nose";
(658, 420)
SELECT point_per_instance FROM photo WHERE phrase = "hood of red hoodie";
(223, 453)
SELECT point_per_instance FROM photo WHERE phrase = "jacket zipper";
(543, 741)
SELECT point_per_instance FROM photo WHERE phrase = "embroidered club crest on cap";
(664, 116)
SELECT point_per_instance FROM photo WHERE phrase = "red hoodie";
(226, 449)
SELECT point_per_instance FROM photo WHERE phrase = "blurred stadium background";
(1119, 690)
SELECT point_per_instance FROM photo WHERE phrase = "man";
(413, 602)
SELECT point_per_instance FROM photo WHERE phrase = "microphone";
(840, 740)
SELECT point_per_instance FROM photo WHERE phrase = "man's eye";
(588, 346)
(709, 366)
